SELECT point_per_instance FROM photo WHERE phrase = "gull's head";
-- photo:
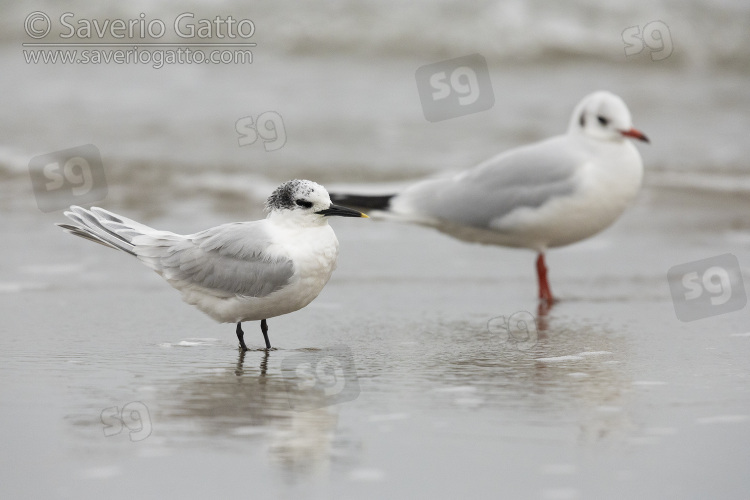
(603, 116)
(306, 202)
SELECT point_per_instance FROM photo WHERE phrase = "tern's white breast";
(313, 250)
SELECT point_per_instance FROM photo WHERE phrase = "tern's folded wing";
(232, 259)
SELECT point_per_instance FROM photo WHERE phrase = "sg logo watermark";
(655, 36)
(707, 287)
(68, 177)
(269, 127)
(517, 332)
(456, 87)
(134, 416)
(320, 378)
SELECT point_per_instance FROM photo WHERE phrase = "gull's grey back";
(525, 177)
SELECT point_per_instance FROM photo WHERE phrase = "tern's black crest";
(285, 195)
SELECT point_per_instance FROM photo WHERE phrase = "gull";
(543, 195)
(241, 271)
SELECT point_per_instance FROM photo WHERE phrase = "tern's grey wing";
(524, 177)
(231, 259)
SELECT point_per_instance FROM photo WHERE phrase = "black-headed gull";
(543, 195)
(241, 271)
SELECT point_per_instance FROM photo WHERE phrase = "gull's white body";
(603, 177)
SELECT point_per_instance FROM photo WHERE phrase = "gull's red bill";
(635, 134)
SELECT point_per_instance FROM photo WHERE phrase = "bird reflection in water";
(248, 405)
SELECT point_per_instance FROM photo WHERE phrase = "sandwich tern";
(241, 271)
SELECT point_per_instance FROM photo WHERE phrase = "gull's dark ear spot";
(582, 120)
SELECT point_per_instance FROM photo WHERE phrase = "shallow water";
(425, 369)
(420, 391)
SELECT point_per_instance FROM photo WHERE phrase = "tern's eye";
(603, 121)
(304, 204)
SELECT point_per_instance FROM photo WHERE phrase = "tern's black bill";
(341, 212)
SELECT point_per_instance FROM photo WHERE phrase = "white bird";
(542, 195)
(241, 271)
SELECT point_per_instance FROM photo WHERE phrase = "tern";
(241, 271)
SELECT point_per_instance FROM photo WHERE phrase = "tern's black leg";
(240, 369)
(241, 336)
(264, 329)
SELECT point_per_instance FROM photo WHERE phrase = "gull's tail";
(363, 201)
(104, 227)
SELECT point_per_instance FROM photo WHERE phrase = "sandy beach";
(616, 394)
(426, 368)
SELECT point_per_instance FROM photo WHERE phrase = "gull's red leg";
(545, 293)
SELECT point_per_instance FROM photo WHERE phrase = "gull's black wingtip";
(361, 201)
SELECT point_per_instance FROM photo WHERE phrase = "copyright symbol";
(31, 21)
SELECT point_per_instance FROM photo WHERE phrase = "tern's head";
(305, 201)
(604, 116)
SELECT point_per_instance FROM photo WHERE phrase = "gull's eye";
(603, 121)
(304, 204)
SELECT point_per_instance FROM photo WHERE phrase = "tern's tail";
(363, 201)
(105, 228)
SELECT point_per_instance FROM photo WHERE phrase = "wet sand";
(616, 399)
